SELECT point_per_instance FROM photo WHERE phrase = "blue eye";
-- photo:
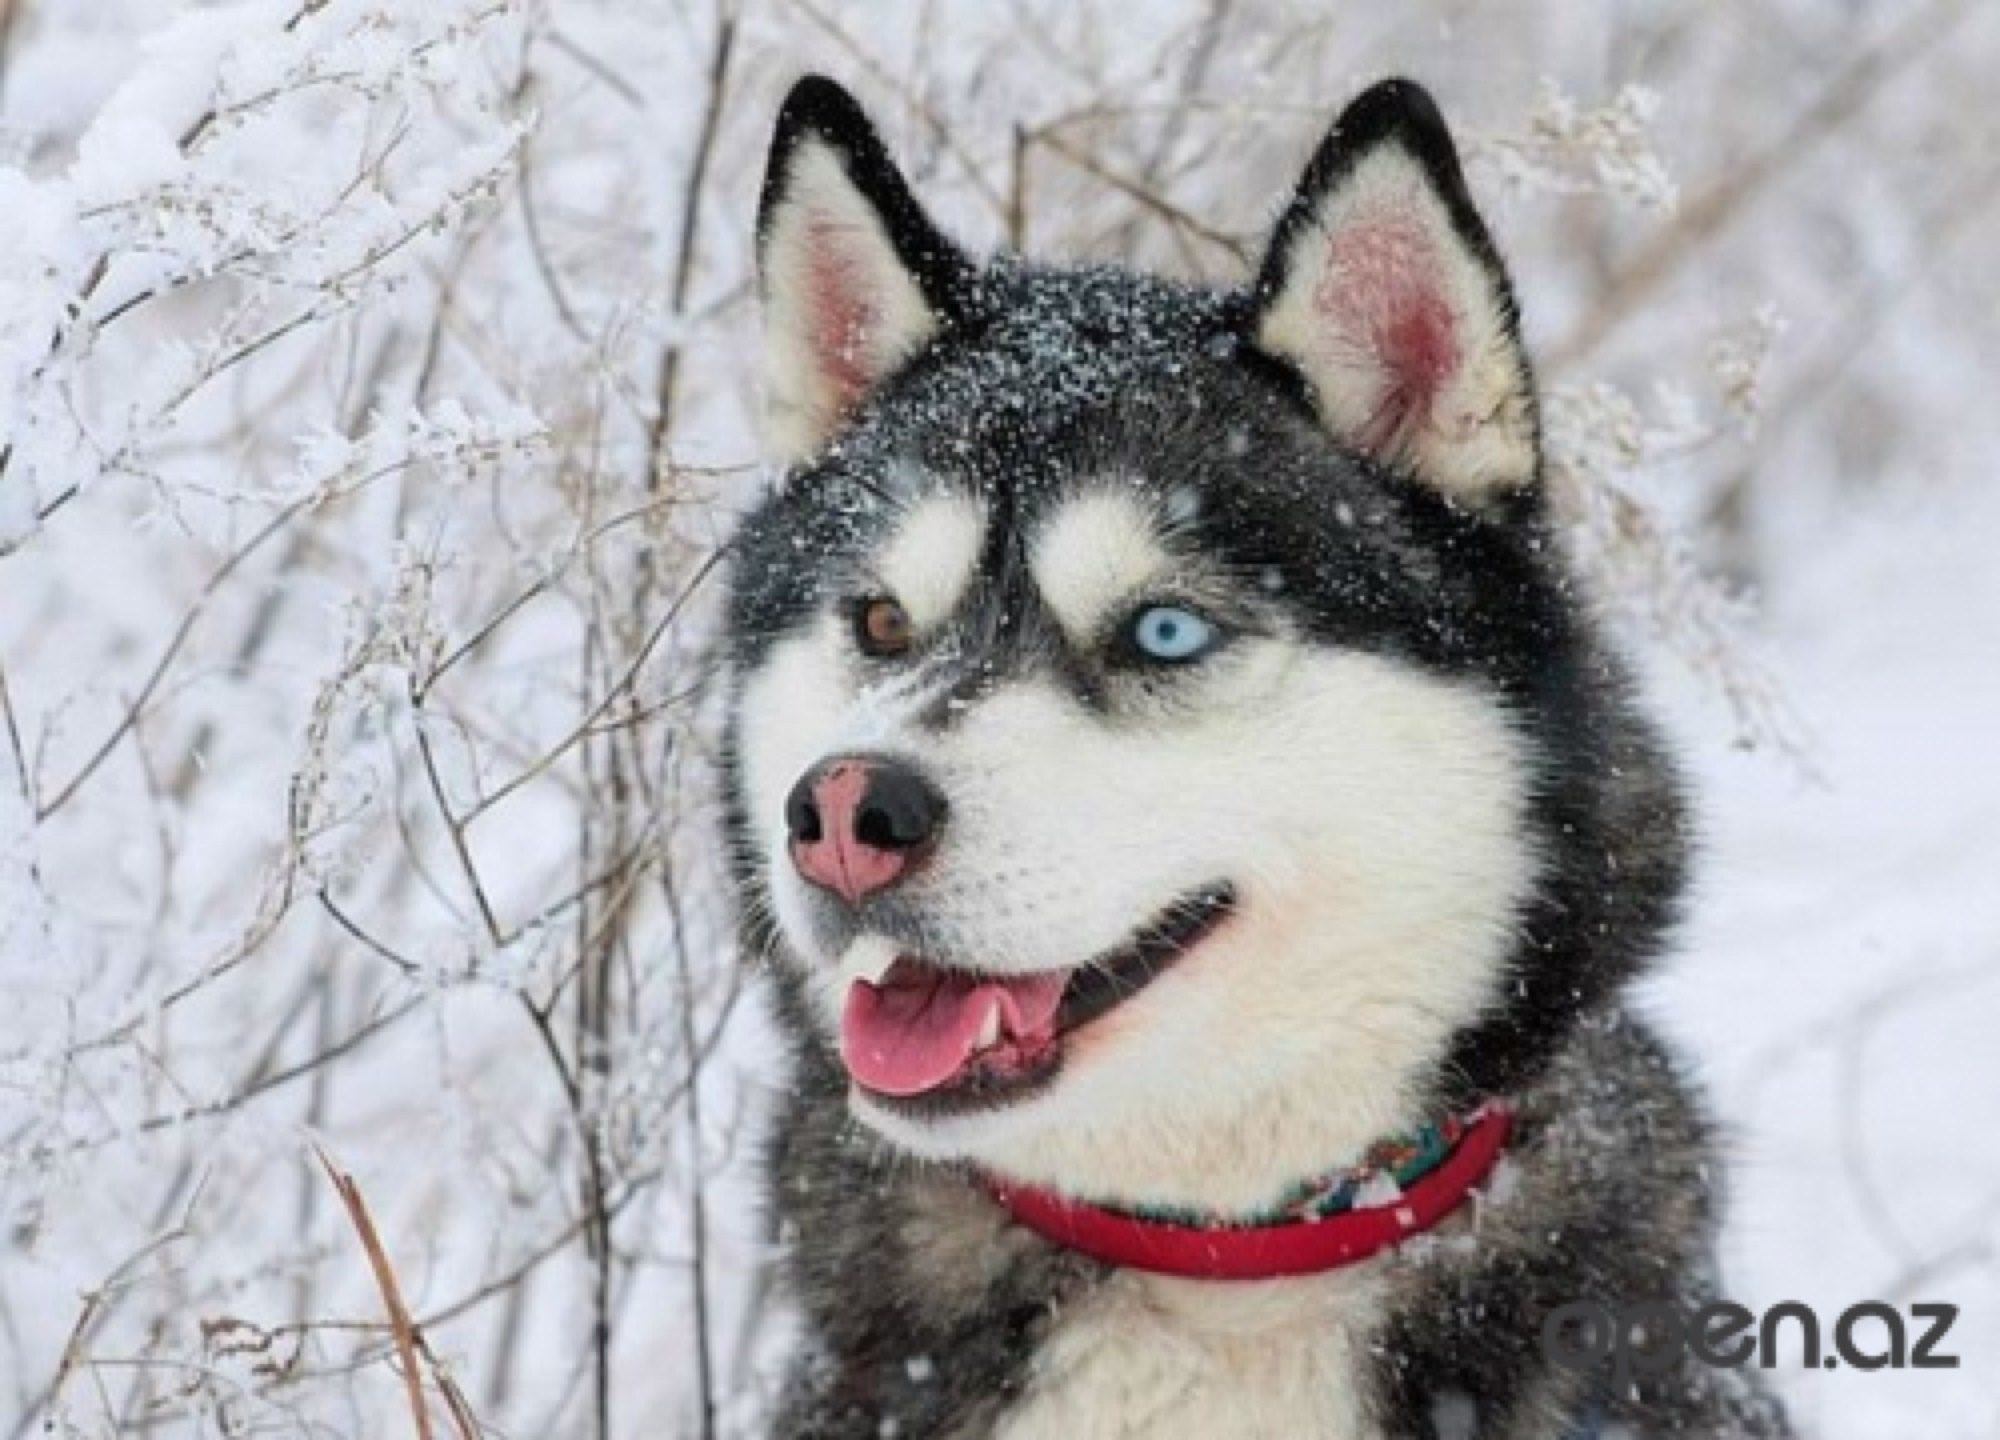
(1171, 634)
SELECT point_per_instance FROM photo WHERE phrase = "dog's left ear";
(854, 276)
(1383, 290)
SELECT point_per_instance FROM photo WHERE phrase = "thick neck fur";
(929, 1313)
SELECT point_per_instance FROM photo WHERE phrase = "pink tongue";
(919, 1027)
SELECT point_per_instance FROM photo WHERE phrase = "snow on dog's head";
(1163, 754)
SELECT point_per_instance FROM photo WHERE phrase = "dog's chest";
(1148, 1356)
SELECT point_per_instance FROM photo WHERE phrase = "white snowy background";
(376, 385)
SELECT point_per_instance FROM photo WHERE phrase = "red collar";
(1261, 1252)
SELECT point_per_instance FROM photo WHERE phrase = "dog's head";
(1164, 751)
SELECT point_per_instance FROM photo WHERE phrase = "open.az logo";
(1649, 1337)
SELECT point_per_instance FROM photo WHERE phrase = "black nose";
(899, 809)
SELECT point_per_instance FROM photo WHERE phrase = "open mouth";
(929, 1039)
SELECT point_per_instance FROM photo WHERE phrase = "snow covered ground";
(1841, 978)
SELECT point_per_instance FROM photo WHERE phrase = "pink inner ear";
(1384, 295)
(840, 311)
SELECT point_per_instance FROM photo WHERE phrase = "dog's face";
(1134, 757)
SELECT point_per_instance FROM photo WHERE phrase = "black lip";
(1110, 980)
(1096, 988)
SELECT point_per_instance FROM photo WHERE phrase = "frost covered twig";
(1718, 204)
(1599, 442)
(1567, 149)
(685, 253)
(409, 1339)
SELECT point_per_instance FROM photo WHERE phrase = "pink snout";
(859, 824)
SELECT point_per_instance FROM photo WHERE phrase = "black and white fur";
(1452, 838)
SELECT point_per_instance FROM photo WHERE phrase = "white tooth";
(869, 958)
(989, 1032)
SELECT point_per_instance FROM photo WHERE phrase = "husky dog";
(1167, 756)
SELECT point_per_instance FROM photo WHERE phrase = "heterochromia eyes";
(1164, 634)
(1171, 635)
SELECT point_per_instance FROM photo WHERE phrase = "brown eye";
(882, 627)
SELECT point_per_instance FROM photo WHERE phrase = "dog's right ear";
(853, 275)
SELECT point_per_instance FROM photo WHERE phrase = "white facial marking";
(786, 730)
(1098, 552)
(1370, 814)
(1371, 818)
(930, 562)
